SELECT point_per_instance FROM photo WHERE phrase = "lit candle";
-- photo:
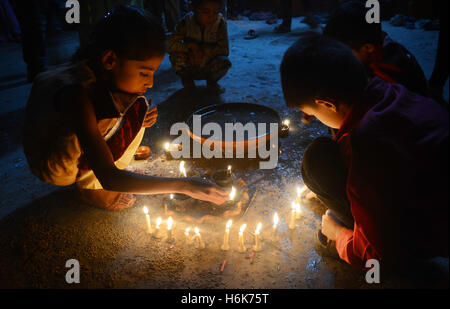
(226, 238)
(201, 244)
(242, 247)
(187, 236)
(158, 224)
(257, 246)
(167, 147)
(229, 170)
(169, 229)
(298, 211)
(274, 227)
(285, 128)
(182, 169)
(232, 193)
(149, 224)
(293, 214)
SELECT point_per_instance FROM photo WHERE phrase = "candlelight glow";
(182, 169)
(258, 228)
(232, 193)
(229, 168)
(242, 229)
(294, 206)
(169, 223)
(275, 219)
(229, 223)
(158, 222)
(298, 208)
(171, 196)
(300, 191)
(167, 146)
(186, 232)
(197, 231)
(146, 210)
(286, 122)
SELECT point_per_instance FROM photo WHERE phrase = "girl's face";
(326, 112)
(206, 13)
(131, 76)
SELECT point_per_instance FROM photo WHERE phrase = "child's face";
(326, 112)
(206, 13)
(132, 76)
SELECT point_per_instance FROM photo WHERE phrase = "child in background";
(381, 56)
(85, 120)
(385, 174)
(199, 46)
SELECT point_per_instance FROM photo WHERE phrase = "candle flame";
(286, 122)
(229, 168)
(169, 223)
(294, 206)
(197, 231)
(146, 210)
(167, 146)
(258, 228)
(158, 222)
(229, 223)
(182, 169)
(298, 208)
(275, 219)
(188, 229)
(171, 196)
(232, 193)
(242, 229)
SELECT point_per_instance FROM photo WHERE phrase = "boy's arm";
(177, 39)
(111, 178)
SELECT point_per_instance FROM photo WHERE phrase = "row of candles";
(296, 213)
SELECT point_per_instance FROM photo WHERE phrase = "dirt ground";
(41, 227)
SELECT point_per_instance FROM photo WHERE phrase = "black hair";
(316, 67)
(348, 24)
(197, 3)
(131, 33)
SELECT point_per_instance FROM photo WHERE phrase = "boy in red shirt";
(385, 174)
(381, 56)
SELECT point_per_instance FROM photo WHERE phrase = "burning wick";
(182, 169)
(285, 128)
(274, 227)
(226, 237)
(293, 215)
(229, 171)
(257, 246)
(158, 224)
(149, 224)
(187, 236)
(169, 229)
(242, 247)
(232, 193)
(167, 147)
(201, 244)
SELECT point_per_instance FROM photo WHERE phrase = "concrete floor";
(42, 226)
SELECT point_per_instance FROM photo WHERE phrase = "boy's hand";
(330, 227)
(150, 117)
(206, 191)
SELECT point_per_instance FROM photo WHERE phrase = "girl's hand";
(330, 227)
(203, 190)
(150, 118)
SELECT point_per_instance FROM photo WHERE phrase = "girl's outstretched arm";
(111, 178)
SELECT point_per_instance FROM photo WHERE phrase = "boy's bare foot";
(107, 199)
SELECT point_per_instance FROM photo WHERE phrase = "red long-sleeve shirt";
(396, 148)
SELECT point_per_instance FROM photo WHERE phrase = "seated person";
(381, 56)
(85, 120)
(385, 174)
(199, 46)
